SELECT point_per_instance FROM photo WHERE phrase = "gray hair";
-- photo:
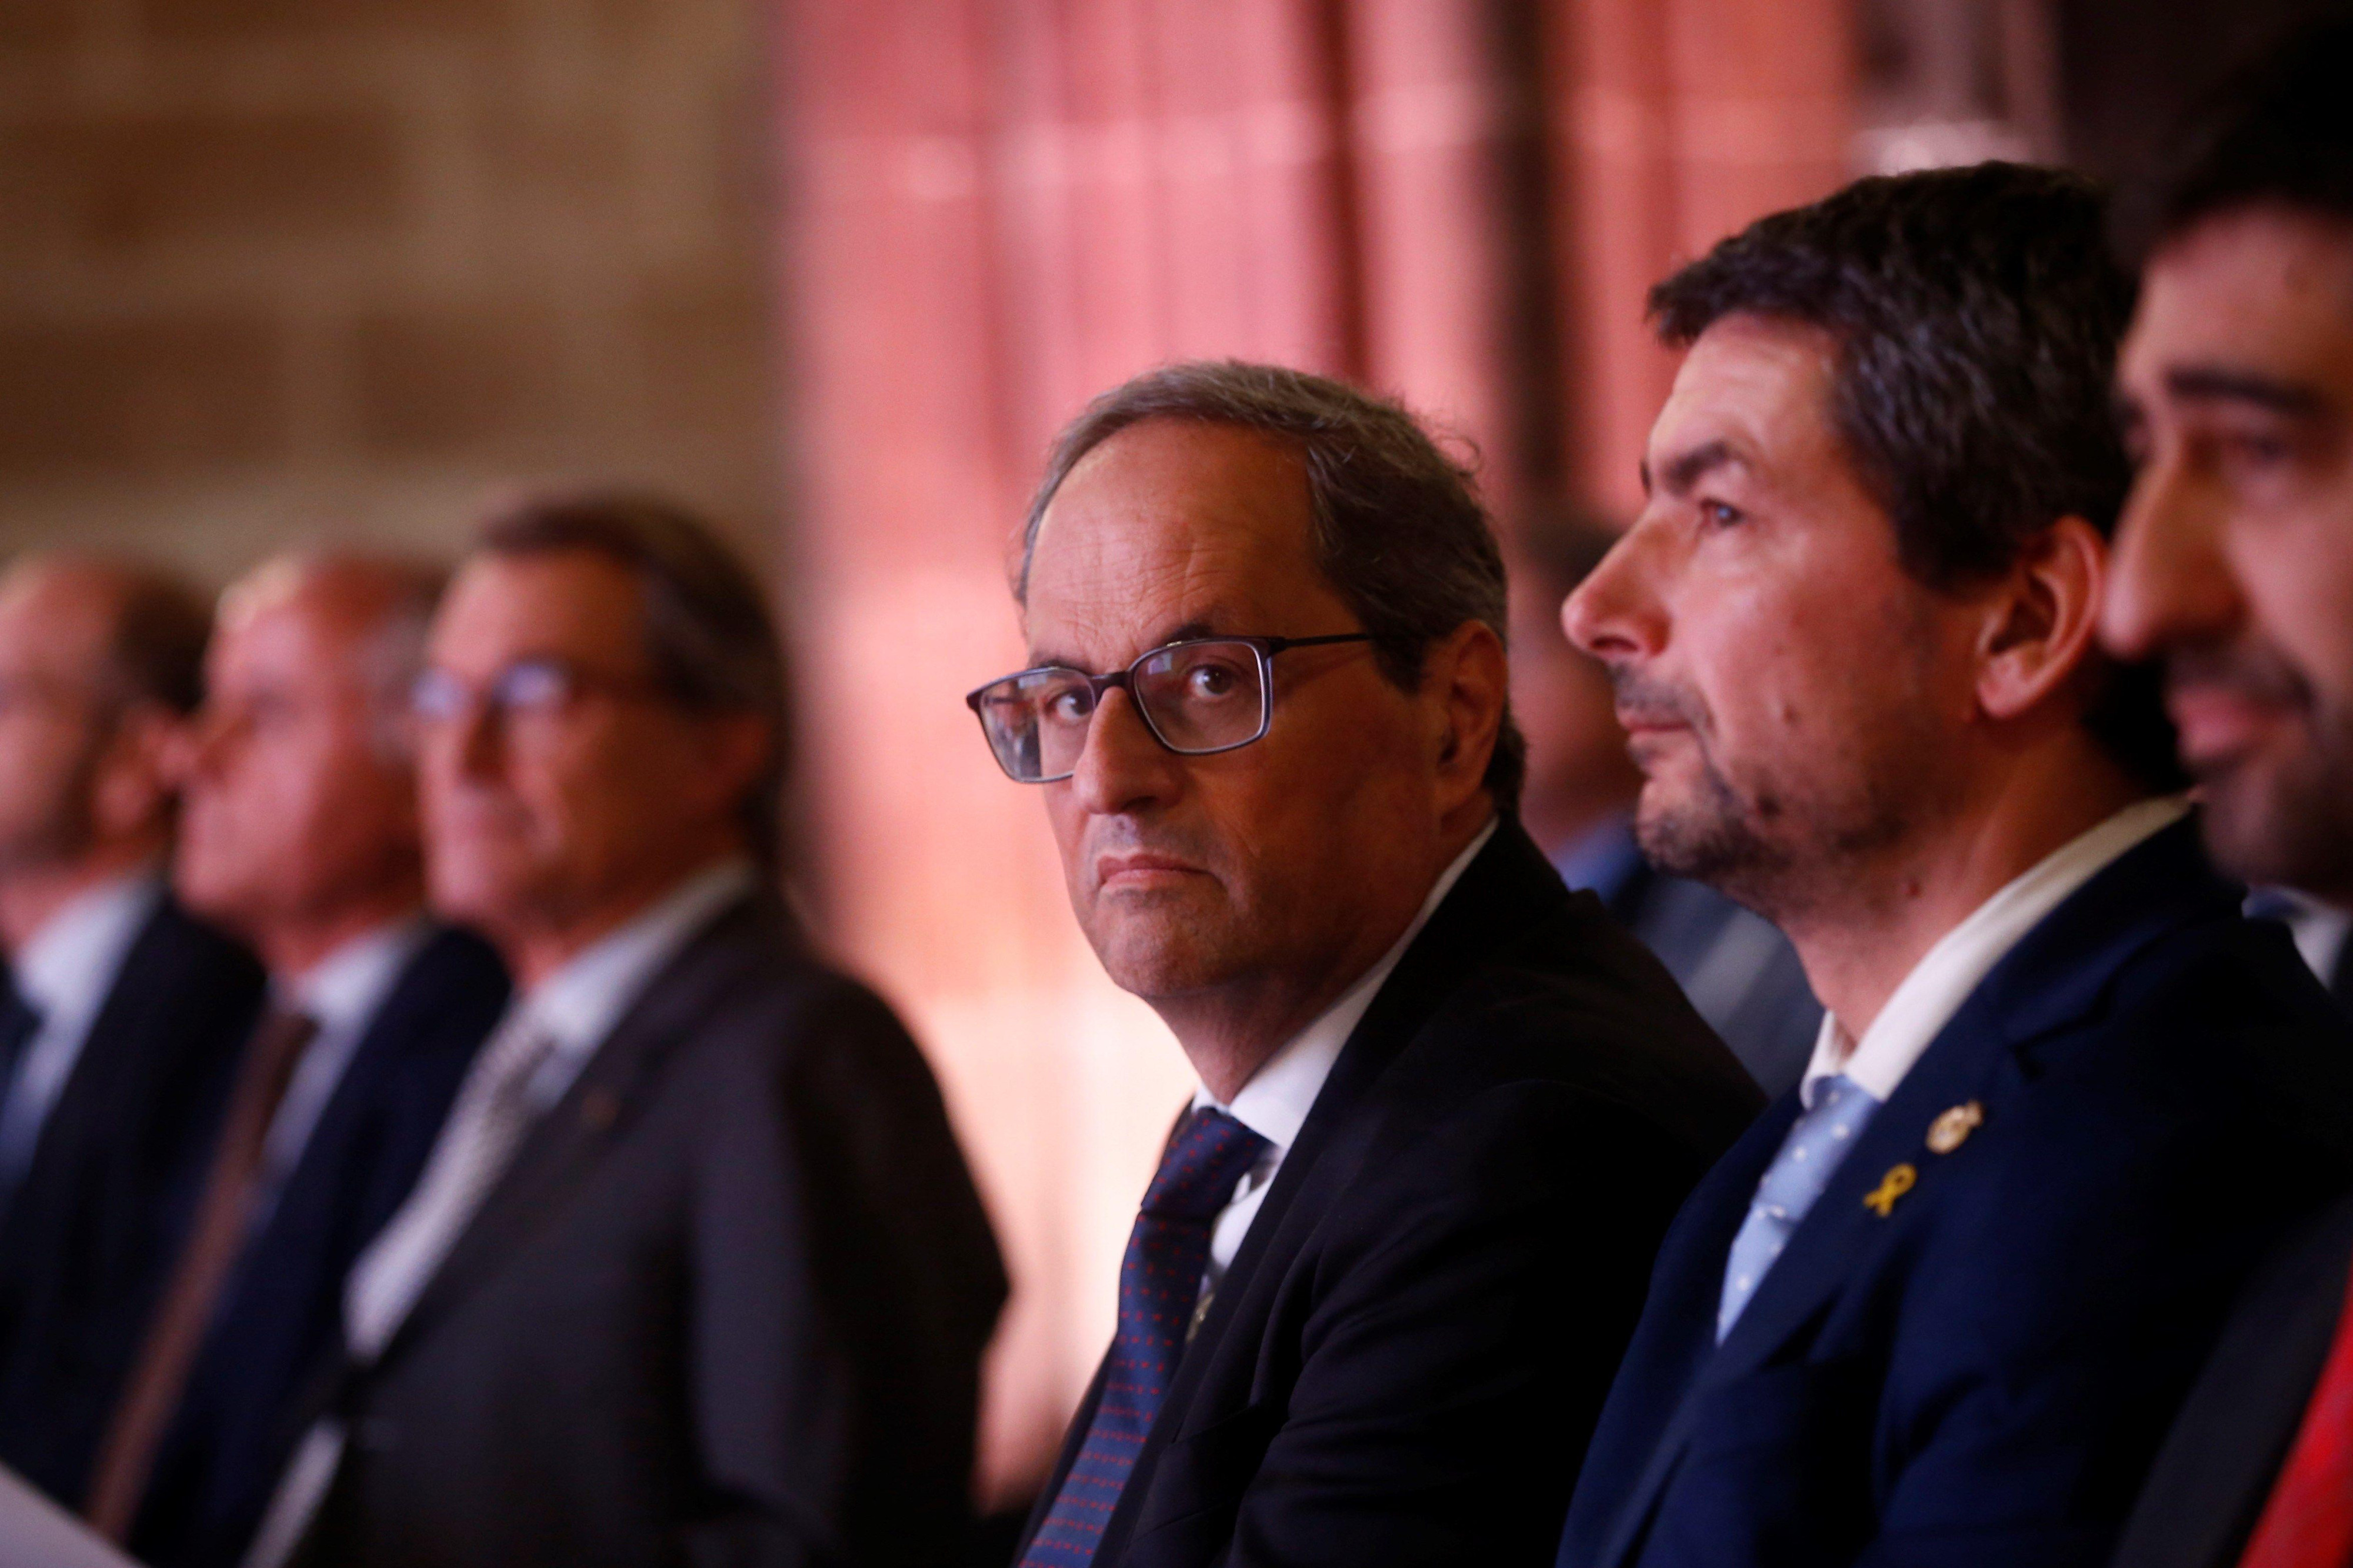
(1397, 527)
(710, 642)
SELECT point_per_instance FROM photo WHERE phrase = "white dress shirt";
(2320, 930)
(341, 993)
(65, 975)
(1274, 1103)
(1918, 1009)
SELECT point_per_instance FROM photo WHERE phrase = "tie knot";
(1208, 1156)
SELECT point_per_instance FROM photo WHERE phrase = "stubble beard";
(2289, 824)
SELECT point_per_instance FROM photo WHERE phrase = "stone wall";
(275, 270)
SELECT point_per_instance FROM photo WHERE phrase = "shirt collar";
(65, 971)
(580, 1003)
(1918, 1009)
(1274, 1103)
(343, 989)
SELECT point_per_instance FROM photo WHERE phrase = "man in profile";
(1376, 1291)
(126, 1014)
(2234, 562)
(696, 1272)
(298, 832)
(1939, 1304)
(1578, 804)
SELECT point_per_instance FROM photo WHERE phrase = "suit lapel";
(564, 1144)
(2056, 974)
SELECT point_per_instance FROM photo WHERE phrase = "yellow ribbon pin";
(1892, 1186)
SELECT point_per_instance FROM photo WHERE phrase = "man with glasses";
(1375, 1293)
(696, 1272)
(298, 833)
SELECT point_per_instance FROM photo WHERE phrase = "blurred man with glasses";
(298, 833)
(1377, 1291)
(696, 1272)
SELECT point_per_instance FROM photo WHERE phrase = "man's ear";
(1468, 674)
(735, 748)
(2041, 622)
(138, 767)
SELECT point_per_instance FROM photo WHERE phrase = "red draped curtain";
(993, 209)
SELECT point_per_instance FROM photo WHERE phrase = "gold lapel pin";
(1892, 1186)
(1951, 1130)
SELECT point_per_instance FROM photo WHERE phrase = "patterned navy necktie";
(1158, 1281)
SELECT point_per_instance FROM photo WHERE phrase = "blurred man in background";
(1938, 1305)
(299, 833)
(696, 1272)
(1578, 804)
(116, 1045)
(2235, 564)
(1446, 1107)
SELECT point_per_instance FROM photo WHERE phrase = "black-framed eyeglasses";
(1198, 696)
(537, 687)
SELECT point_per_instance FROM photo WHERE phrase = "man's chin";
(2264, 825)
(1154, 958)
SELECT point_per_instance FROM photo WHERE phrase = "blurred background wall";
(836, 269)
(280, 269)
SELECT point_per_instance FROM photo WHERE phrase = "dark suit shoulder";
(2216, 1020)
(2216, 1470)
(1577, 1004)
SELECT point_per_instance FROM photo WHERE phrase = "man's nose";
(192, 749)
(1616, 613)
(2171, 580)
(1122, 767)
(468, 743)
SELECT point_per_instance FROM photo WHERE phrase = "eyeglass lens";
(1199, 697)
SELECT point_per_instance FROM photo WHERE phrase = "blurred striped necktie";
(1158, 1280)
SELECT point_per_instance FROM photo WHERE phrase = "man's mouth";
(1138, 869)
(2219, 723)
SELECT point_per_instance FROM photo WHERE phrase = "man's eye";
(1716, 514)
(1210, 681)
(2255, 453)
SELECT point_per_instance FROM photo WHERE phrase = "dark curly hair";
(1976, 313)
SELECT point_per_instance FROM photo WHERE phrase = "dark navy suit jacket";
(238, 1420)
(89, 1237)
(1983, 1376)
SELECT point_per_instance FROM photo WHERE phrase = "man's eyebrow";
(1040, 658)
(2213, 384)
(1687, 468)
